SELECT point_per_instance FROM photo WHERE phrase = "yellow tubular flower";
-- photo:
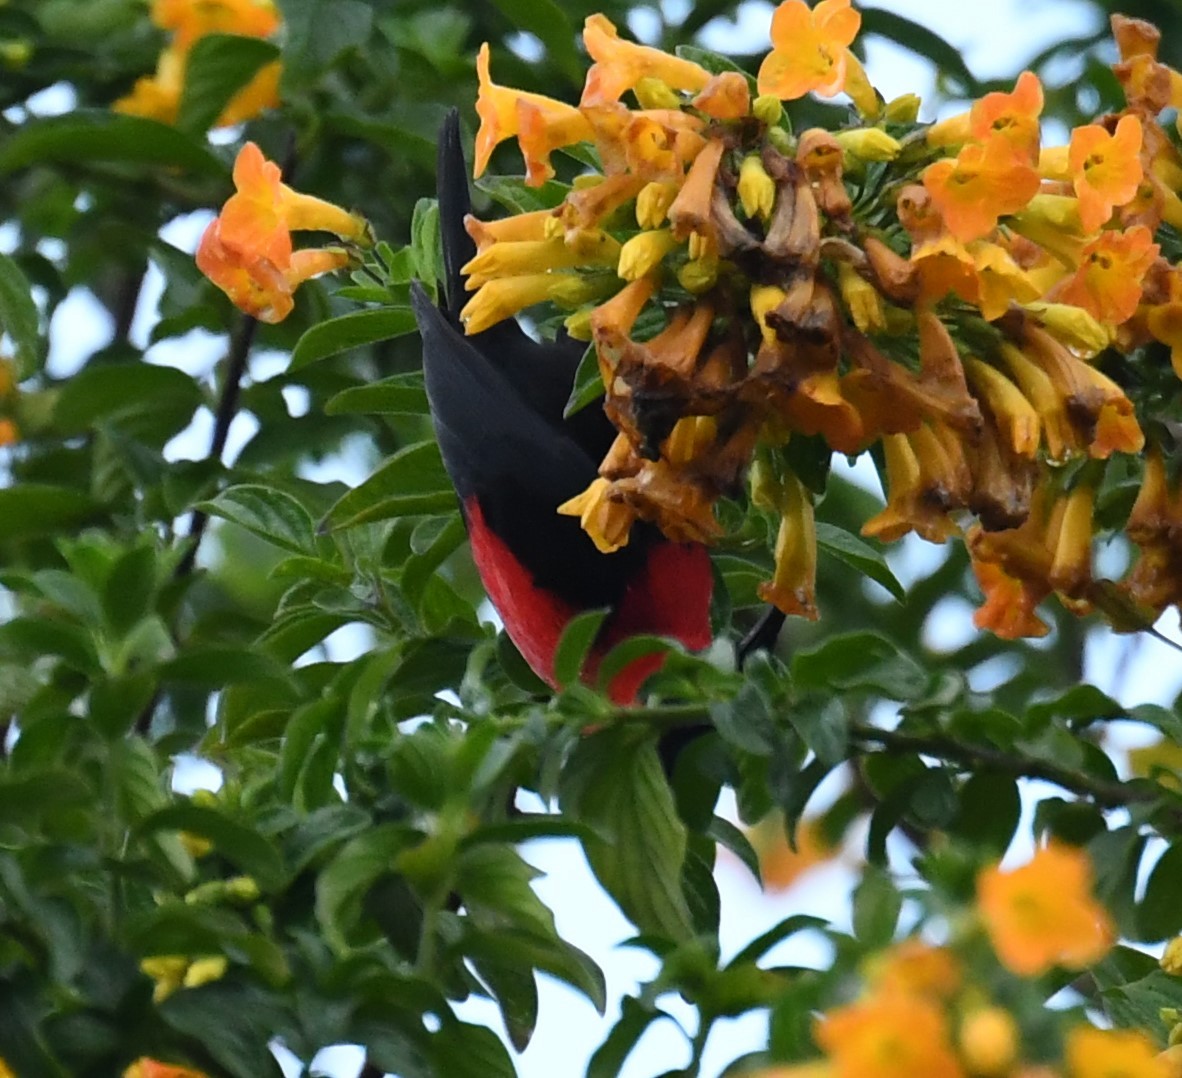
(502, 298)
(862, 299)
(757, 190)
(765, 298)
(868, 144)
(519, 228)
(607, 521)
(653, 202)
(903, 478)
(1103, 1053)
(1072, 325)
(532, 256)
(1071, 567)
(1014, 414)
(643, 253)
(792, 588)
(1037, 389)
(903, 109)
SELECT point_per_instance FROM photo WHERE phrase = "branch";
(1103, 792)
(227, 408)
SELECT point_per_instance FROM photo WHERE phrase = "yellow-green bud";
(861, 298)
(903, 109)
(757, 190)
(868, 143)
(781, 140)
(16, 54)
(698, 275)
(586, 180)
(653, 202)
(205, 970)
(989, 1041)
(242, 889)
(643, 253)
(656, 94)
(578, 325)
(1171, 961)
(766, 489)
(768, 109)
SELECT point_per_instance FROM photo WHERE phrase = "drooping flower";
(620, 65)
(247, 249)
(889, 1035)
(1009, 607)
(810, 49)
(1043, 914)
(793, 587)
(541, 124)
(158, 96)
(984, 182)
(1105, 168)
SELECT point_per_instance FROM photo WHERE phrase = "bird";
(497, 400)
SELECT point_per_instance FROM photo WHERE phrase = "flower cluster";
(921, 1011)
(985, 313)
(247, 249)
(158, 96)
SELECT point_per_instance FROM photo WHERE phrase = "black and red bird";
(497, 399)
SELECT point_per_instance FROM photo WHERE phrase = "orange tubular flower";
(915, 968)
(1113, 1053)
(539, 121)
(620, 65)
(1043, 914)
(1008, 609)
(247, 250)
(1013, 115)
(985, 181)
(1105, 169)
(810, 49)
(1108, 283)
(888, 1036)
(193, 19)
(152, 1068)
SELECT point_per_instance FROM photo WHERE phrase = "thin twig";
(227, 409)
(1103, 792)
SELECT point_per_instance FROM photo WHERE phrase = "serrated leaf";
(411, 482)
(614, 783)
(267, 512)
(403, 394)
(353, 330)
(19, 317)
(216, 68)
(575, 645)
(858, 554)
(859, 662)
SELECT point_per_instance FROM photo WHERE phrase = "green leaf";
(143, 401)
(342, 884)
(467, 1051)
(1160, 913)
(267, 512)
(425, 242)
(317, 33)
(353, 330)
(635, 1018)
(713, 62)
(410, 483)
(553, 27)
(110, 137)
(758, 947)
(401, 394)
(859, 662)
(512, 193)
(216, 68)
(19, 318)
(746, 721)
(32, 509)
(858, 554)
(822, 723)
(988, 811)
(215, 666)
(240, 844)
(555, 956)
(575, 645)
(614, 783)
(588, 385)
(877, 904)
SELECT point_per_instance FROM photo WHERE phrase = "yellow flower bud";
(205, 970)
(698, 275)
(1072, 325)
(578, 325)
(654, 93)
(868, 143)
(1171, 959)
(700, 246)
(653, 202)
(903, 109)
(168, 971)
(989, 1041)
(196, 846)
(242, 889)
(766, 490)
(16, 54)
(861, 298)
(757, 190)
(768, 109)
(643, 253)
(765, 298)
(781, 140)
